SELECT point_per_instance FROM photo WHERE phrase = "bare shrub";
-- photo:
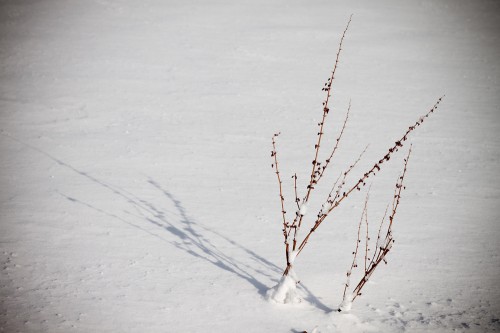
(294, 241)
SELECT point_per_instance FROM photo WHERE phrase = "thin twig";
(355, 253)
(274, 154)
(297, 200)
(326, 109)
(367, 239)
(376, 167)
(328, 160)
(388, 241)
(378, 245)
(329, 202)
(294, 226)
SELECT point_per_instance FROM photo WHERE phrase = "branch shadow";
(189, 235)
(195, 238)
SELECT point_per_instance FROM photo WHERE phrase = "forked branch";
(382, 248)
(372, 172)
(316, 165)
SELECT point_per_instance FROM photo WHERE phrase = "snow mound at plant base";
(346, 304)
(285, 291)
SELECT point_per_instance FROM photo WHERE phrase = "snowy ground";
(136, 188)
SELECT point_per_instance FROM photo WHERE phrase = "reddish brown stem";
(376, 167)
(381, 252)
(367, 239)
(355, 253)
(274, 154)
(326, 109)
(297, 200)
(328, 160)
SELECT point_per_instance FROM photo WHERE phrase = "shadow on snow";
(190, 236)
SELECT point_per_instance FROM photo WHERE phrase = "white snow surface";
(136, 187)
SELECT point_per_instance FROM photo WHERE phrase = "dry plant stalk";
(354, 263)
(294, 244)
(383, 246)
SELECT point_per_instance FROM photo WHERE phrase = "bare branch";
(274, 154)
(329, 159)
(355, 253)
(330, 201)
(362, 181)
(326, 109)
(367, 239)
(378, 244)
(297, 200)
(294, 226)
(388, 241)
(297, 223)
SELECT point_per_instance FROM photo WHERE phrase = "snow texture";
(136, 193)
(286, 289)
(346, 304)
